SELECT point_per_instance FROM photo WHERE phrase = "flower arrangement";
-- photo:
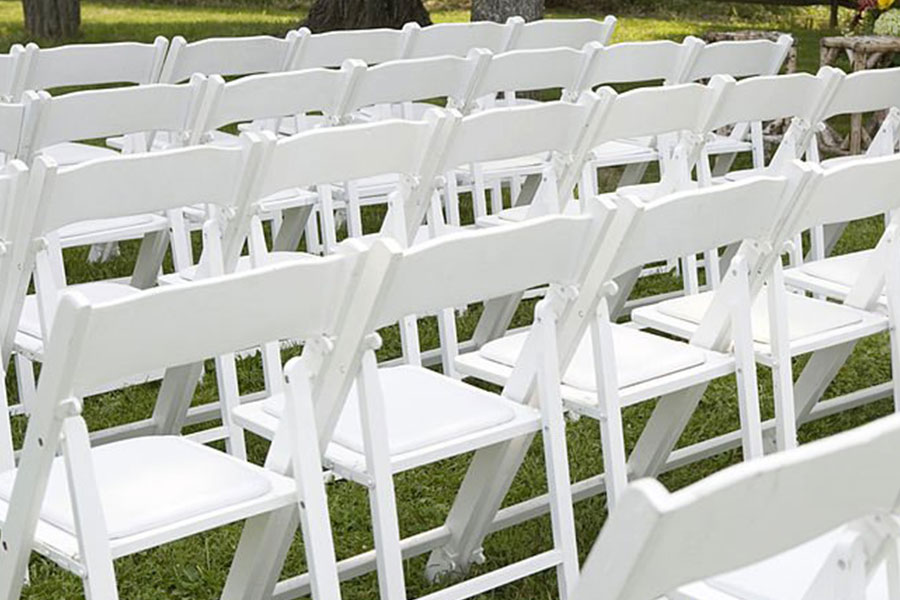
(876, 17)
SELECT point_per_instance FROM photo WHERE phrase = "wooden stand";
(863, 52)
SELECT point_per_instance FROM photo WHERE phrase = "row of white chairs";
(567, 130)
(31, 67)
(336, 408)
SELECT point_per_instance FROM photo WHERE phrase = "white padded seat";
(151, 482)
(843, 269)
(424, 408)
(110, 230)
(806, 316)
(72, 153)
(617, 152)
(95, 291)
(723, 144)
(640, 357)
(789, 575)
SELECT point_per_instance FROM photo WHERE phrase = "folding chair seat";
(114, 188)
(787, 325)
(772, 528)
(139, 112)
(84, 507)
(738, 59)
(614, 366)
(397, 418)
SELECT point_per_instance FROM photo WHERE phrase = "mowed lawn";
(196, 568)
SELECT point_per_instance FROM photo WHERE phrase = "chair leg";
(382, 500)
(260, 555)
(25, 382)
(313, 242)
(229, 399)
(588, 186)
(782, 373)
(633, 174)
(497, 196)
(354, 213)
(447, 334)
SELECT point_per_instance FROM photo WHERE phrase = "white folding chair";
(612, 366)
(89, 64)
(786, 325)
(397, 89)
(739, 59)
(228, 56)
(867, 91)
(545, 140)
(633, 63)
(89, 506)
(142, 113)
(456, 39)
(399, 418)
(115, 188)
(816, 522)
(563, 33)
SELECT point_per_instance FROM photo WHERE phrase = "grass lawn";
(196, 568)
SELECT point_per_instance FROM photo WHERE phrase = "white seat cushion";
(640, 357)
(623, 150)
(95, 291)
(843, 269)
(150, 482)
(806, 316)
(423, 408)
(118, 228)
(71, 153)
(789, 575)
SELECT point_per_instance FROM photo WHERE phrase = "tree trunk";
(330, 15)
(500, 10)
(52, 19)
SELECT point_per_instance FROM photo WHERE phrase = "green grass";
(195, 568)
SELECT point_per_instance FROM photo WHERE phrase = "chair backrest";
(456, 39)
(742, 58)
(522, 70)
(656, 111)
(102, 113)
(331, 49)
(870, 183)
(634, 62)
(563, 33)
(766, 98)
(339, 154)
(749, 209)
(209, 316)
(465, 267)
(450, 77)
(865, 91)
(91, 64)
(15, 127)
(228, 56)
(656, 541)
(519, 131)
(13, 188)
(271, 96)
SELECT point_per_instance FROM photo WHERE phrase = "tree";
(500, 10)
(330, 15)
(53, 19)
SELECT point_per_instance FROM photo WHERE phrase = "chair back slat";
(633, 62)
(743, 58)
(331, 49)
(668, 226)
(657, 110)
(655, 541)
(866, 91)
(466, 267)
(564, 33)
(226, 56)
(455, 39)
(92, 64)
(347, 153)
(532, 70)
